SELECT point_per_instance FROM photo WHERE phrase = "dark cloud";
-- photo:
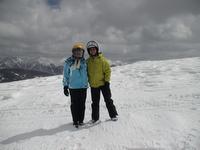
(162, 9)
(129, 29)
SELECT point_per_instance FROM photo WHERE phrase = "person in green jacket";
(99, 73)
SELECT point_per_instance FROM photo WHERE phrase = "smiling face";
(93, 51)
(78, 52)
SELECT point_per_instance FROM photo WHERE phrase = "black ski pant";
(78, 97)
(95, 93)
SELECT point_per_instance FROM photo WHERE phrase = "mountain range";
(18, 68)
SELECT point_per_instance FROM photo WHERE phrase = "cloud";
(173, 30)
(129, 29)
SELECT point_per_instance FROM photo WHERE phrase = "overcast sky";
(125, 29)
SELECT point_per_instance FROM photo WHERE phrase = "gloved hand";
(107, 84)
(66, 91)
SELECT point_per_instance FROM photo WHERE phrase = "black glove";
(66, 91)
(107, 84)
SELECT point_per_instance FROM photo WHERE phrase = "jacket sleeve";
(66, 75)
(107, 71)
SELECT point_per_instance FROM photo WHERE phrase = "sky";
(126, 30)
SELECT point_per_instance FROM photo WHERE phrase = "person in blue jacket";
(75, 82)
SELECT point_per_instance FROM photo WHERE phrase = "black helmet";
(91, 44)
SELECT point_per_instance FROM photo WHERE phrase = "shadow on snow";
(45, 132)
(39, 132)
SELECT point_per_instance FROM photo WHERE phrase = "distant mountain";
(30, 63)
(117, 63)
(8, 75)
(18, 68)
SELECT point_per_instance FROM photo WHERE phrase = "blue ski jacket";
(75, 77)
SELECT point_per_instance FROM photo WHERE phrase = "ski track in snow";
(158, 104)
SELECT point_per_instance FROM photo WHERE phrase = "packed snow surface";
(158, 104)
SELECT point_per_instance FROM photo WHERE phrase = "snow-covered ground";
(158, 104)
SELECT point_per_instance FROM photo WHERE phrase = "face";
(78, 53)
(93, 51)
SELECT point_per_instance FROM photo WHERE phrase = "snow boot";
(94, 121)
(114, 118)
(81, 124)
(75, 124)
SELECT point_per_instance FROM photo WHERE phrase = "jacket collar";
(73, 59)
(100, 55)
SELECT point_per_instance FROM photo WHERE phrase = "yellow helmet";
(79, 45)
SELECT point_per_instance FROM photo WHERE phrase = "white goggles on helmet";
(91, 44)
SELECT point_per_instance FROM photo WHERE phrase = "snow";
(158, 104)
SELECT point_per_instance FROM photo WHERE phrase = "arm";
(66, 75)
(66, 79)
(107, 71)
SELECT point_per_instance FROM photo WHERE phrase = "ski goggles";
(77, 49)
(91, 44)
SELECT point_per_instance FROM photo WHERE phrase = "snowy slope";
(158, 104)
